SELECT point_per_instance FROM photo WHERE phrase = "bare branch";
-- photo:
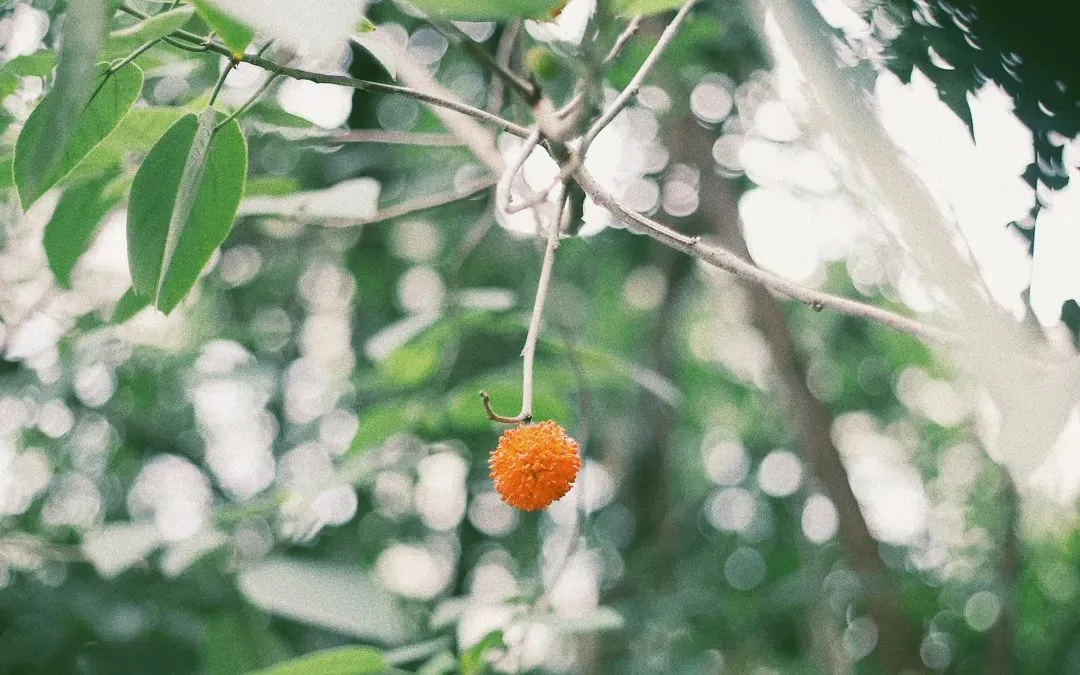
(621, 41)
(447, 102)
(415, 205)
(726, 260)
(419, 138)
(519, 84)
(506, 182)
(631, 90)
(543, 285)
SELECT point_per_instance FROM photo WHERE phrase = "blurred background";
(296, 458)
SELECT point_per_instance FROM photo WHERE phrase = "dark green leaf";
(95, 122)
(183, 202)
(122, 42)
(73, 223)
(61, 116)
(339, 661)
(233, 33)
(129, 305)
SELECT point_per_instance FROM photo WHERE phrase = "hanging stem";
(528, 353)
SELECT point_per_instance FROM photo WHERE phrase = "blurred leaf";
(353, 198)
(378, 422)
(489, 10)
(89, 125)
(383, 47)
(269, 185)
(339, 661)
(645, 7)
(364, 25)
(57, 133)
(335, 597)
(77, 216)
(236, 35)
(598, 620)
(122, 42)
(39, 64)
(440, 664)
(472, 660)
(235, 643)
(183, 202)
(114, 547)
(129, 305)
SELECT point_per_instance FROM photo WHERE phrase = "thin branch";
(415, 205)
(248, 103)
(526, 89)
(419, 138)
(229, 67)
(528, 353)
(503, 54)
(631, 90)
(506, 182)
(621, 41)
(351, 82)
(542, 288)
(726, 260)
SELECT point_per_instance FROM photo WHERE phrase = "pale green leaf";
(235, 34)
(489, 10)
(134, 136)
(335, 597)
(645, 7)
(59, 116)
(122, 42)
(183, 202)
(338, 661)
(113, 100)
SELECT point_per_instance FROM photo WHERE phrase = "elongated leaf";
(114, 98)
(339, 661)
(645, 7)
(183, 202)
(236, 35)
(59, 114)
(336, 597)
(129, 305)
(489, 10)
(73, 223)
(122, 42)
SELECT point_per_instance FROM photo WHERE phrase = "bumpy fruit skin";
(534, 465)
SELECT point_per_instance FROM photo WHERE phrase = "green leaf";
(338, 661)
(183, 202)
(60, 116)
(236, 35)
(489, 10)
(114, 98)
(645, 7)
(122, 42)
(472, 660)
(135, 134)
(73, 223)
(39, 64)
(129, 305)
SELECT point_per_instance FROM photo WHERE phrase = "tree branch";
(415, 205)
(726, 260)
